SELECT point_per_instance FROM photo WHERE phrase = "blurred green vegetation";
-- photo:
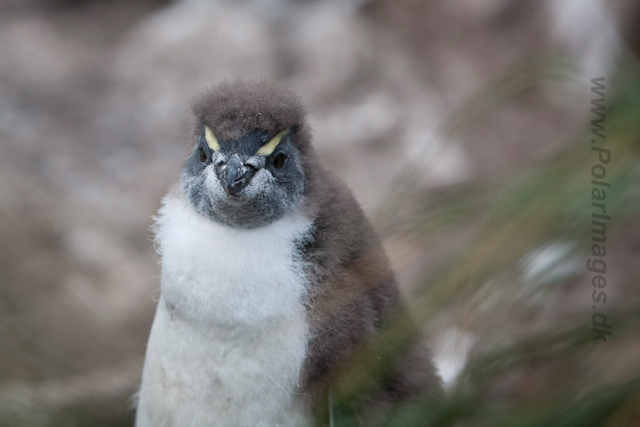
(552, 374)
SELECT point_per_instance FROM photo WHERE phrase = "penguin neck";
(216, 274)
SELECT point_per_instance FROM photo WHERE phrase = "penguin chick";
(272, 277)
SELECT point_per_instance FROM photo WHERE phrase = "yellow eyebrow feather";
(270, 146)
(211, 139)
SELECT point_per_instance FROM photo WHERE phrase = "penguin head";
(248, 166)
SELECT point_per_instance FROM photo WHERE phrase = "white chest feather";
(230, 333)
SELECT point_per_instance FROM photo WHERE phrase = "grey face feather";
(239, 188)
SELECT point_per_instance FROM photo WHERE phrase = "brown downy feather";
(353, 295)
(234, 109)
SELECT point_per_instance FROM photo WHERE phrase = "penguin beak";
(235, 176)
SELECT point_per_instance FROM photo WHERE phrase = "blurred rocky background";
(460, 125)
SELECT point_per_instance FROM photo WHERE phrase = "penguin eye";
(278, 162)
(203, 155)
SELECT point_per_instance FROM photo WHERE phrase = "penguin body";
(272, 276)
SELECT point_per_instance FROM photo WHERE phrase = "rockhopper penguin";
(272, 276)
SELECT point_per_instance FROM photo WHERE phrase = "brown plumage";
(234, 109)
(354, 293)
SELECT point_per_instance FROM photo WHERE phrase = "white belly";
(223, 377)
(230, 333)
